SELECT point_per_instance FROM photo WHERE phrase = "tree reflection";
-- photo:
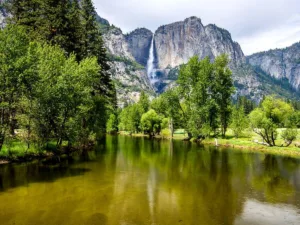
(269, 179)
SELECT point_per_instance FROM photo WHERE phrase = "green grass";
(17, 148)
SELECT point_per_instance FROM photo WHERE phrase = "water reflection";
(12, 176)
(139, 181)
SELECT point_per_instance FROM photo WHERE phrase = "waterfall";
(150, 63)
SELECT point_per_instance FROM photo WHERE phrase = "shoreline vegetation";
(246, 143)
(19, 154)
(243, 144)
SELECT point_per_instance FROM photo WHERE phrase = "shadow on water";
(12, 176)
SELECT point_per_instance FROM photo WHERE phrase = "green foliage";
(151, 122)
(289, 135)
(72, 25)
(239, 121)
(223, 89)
(272, 114)
(112, 124)
(277, 110)
(144, 101)
(206, 90)
(165, 123)
(13, 45)
(247, 104)
(294, 120)
(130, 118)
(168, 105)
(47, 94)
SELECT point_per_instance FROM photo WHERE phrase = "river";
(137, 181)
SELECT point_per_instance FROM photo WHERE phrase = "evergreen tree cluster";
(55, 82)
(70, 24)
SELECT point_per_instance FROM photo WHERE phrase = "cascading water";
(150, 64)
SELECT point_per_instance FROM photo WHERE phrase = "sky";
(257, 25)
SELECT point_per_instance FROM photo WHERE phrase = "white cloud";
(257, 25)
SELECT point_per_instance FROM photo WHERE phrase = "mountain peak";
(192, 19)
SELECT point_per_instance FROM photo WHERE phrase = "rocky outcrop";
(130, 77)
(139, 42)
(176, 43)
(280, 64)
(116, 44)
(130, 80)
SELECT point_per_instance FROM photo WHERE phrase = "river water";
(136, 181)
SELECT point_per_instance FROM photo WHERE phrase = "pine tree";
(25, 13)
(75, 31)
(57, 22)
(93, 45)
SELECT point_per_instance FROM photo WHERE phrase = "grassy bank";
(17, 151)
(244, 143)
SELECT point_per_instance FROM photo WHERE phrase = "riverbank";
(17, 152)
(244, 144)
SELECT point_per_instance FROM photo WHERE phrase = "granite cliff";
(128, 54)
(272, 72)
(176, 43)
(281, 64)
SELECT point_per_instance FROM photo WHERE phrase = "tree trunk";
(1, 141)
(171, 127)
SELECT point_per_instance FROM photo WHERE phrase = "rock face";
(116, 44)
(176, 43)
(3, 15)
(126, 52)
(280, 64)
(139, 42)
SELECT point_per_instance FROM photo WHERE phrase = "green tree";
(194, 81)
(223, 90)
(112, 124)
(239, 121)
(293, 120)
(205, 89)
(289, 135)
(247, 104)
(151, 123)
(130, 118)
(272, 114)
(144, 101)
(13, 45)
(93, 45)
(168, 105)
